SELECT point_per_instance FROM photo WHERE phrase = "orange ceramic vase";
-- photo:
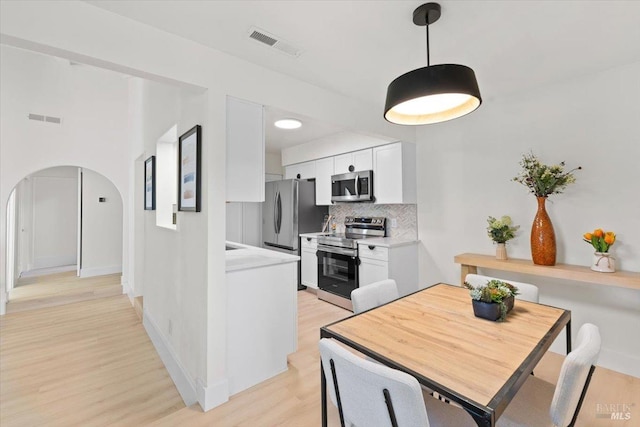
(543, 238)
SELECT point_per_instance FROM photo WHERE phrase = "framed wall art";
(150, 184)
(189, 170)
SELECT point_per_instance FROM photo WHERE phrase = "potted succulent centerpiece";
(492, 301)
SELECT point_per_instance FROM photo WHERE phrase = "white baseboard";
(620, 362)
(627, 364)
(3, 303)
(48, 270)
(126, 290)
(215, 395)
(100, 271)
(183, 382)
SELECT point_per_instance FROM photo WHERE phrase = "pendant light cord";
(428, 63)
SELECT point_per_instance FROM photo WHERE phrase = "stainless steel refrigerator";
(290, 209)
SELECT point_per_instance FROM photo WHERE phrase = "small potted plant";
(500, 231)
(601, 242)
(492, 301)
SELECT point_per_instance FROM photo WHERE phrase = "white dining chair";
(541, 404)
(373, 295)
(369, 394)
(527, 291)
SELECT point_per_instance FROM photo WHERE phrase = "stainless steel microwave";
(352, 187)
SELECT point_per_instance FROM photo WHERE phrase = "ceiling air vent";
(55, 120)
(37, 117)
(273, 41)
(48, 119)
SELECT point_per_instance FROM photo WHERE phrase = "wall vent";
(273, 41)
(42, 118)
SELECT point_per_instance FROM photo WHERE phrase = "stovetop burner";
(356, 228)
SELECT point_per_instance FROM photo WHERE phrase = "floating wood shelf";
(469, 263)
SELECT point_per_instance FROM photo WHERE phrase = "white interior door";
(55, 221)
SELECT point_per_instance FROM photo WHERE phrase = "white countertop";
(246, 257)
(388, 242)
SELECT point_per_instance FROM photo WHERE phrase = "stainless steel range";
(338, 258)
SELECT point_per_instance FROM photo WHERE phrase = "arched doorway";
(64, 238)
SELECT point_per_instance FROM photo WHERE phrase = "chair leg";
(392, 413)
(335, 386)
(582, 395)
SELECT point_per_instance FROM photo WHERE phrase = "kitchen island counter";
(262, 314)
(243, 257)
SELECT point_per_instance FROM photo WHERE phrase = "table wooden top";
(434, 335)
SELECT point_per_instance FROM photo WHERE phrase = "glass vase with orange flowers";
(601, 242)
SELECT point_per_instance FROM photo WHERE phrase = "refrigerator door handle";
(279, 212)
(275, 213)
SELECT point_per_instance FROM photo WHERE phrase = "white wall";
(93, 134)
(465, 169)
(79, 31)
(175, 260)
(273, 164)
(101, 226)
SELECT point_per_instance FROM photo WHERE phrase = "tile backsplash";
(405, 215)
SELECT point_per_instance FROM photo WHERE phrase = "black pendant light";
(435, 93)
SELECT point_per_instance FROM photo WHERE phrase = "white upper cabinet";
(245, 151)
(324, 170)
(394, 173)
(306, 170)
(353, 162)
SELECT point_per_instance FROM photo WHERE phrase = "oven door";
(337, 271)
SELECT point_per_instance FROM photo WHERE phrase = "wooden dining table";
(434, 336)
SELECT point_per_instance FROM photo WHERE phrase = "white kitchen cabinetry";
(358, 161)
(306, 170)
(324, 170)
(244, 223)
(398, 262)
(262, 314)
(309, 261)
(394, 173)
(245, 151)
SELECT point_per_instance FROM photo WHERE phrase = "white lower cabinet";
(309, 261)
(399, 262)
(371, 271)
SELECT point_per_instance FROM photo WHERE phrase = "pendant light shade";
(435, 93)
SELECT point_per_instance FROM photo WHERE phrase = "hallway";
(51, 290)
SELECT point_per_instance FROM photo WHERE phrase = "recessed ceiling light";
(288, 124)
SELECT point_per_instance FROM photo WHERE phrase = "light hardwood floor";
(83, 364)
(91, 364)
(60, 288)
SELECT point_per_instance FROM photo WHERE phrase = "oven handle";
(321, 252)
